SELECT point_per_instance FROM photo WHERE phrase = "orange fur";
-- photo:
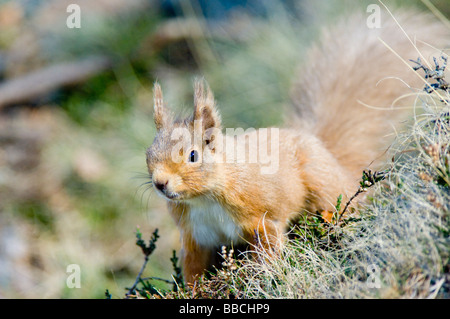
(322, 153)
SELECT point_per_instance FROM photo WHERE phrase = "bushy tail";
(352, 69)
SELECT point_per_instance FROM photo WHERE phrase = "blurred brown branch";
(42, 81)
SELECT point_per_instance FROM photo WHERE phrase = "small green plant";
(368, 179)
(142, 287)
(324, 232)
(437, 75)
(147, 250)
(338, 203)
(178, 275)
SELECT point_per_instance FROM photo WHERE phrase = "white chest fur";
(211, 224)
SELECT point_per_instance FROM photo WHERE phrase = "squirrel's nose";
(161, 185)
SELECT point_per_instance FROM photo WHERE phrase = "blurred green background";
(76, 119)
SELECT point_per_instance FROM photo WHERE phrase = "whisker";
(139, 175)
(149, 195)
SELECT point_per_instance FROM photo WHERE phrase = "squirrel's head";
(182, 159)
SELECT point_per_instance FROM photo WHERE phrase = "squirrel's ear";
(160, 113)
(205, 106)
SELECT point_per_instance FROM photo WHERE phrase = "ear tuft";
(205, 106)
(160, 114)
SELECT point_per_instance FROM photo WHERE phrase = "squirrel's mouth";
(174, 196)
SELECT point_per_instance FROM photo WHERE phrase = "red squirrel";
(217, 196)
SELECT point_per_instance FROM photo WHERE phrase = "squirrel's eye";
(193, 157)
